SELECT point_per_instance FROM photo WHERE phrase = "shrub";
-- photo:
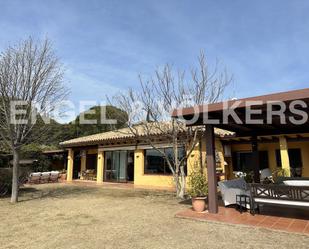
(279, 173)
(42, 164)
(6, 179)
(198, 186)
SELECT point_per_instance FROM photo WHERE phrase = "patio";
(219, 115)
(283, 219)
(125, 185)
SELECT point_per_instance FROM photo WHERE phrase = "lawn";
(68, 216)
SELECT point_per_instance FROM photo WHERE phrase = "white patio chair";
(45, 177)
(54, 175)
(229, 189)
(265, 174)
(35, 177)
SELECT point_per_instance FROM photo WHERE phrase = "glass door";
(115, 166)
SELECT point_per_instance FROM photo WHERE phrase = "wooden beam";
(262, 141)
(211, 170)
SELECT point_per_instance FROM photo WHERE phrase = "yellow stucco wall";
(195, 159)
(271, 148)
(92, 151)
(70, 165)
(304, 146)
(197, 156)
(148, 179)
(284, 154)
(100, 166)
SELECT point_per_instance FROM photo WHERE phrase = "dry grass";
(66, 216)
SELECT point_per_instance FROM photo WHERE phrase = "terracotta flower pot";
(198, 204)
(63, 176)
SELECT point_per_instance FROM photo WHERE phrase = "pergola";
(219, 115)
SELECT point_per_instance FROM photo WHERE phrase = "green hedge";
(6, 179)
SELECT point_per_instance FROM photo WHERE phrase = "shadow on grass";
(33, 193)
(186, 202)
(29, 193)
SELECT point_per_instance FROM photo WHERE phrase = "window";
(242, 161)
(263, 157)
(295, 161)
(91, 161)
(294, 158)
(156, 163)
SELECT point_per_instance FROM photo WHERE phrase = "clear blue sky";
(106, 44)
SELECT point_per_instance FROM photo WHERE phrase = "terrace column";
(285, 162)
(211, 169)
(139, 161)
(255, 160)
(83, 163)
(220, 153)
(70, 165)
(100, 166)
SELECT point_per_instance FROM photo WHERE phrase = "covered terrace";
(284, 115)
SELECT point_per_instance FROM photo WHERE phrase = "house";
(121, 156)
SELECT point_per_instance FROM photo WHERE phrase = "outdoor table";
(242, 201)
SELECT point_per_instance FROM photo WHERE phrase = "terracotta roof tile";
(126, 133)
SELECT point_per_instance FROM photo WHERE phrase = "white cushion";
(229, 189)
(296, 182)
(36, 174)
(282, 202)
(235, 183)
(265, 173)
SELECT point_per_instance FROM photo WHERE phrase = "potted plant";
(63, 175)
(198, 190)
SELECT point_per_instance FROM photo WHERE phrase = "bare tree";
(31, 83)
(149, 110)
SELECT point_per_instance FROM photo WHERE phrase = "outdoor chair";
(54, 176)
(265, 174)
(45, 177)
(229, 190)
(34, 177)
(89, 174)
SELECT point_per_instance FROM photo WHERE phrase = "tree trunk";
(180, 182)
(15, 183)
(176, 185)
(181, 188)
